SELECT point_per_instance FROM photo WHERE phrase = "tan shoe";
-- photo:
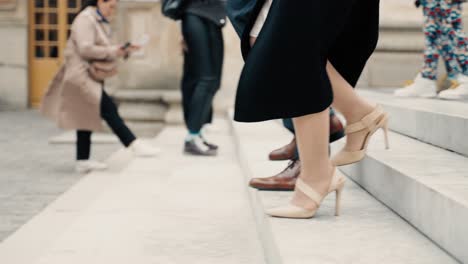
(372, 122)
(292, 211)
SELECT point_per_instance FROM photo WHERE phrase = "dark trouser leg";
(83, 144)
(204, 40)
(188, 84)
(288, 124)
(110, 114)
(217, 59)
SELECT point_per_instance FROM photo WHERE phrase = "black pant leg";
(111, 115)
(196, 31)
(83, 144)
(188, 84)
(217, 47)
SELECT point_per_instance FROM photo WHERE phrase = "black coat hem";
(246, 115)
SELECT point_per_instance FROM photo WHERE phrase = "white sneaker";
(85, 166)
(421, 87)
(458, 91)
(143, 150)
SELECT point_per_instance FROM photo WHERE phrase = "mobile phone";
(126, 45)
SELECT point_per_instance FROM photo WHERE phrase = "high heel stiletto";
(292, 211)
(372, 122)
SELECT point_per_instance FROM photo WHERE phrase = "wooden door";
(49, 27)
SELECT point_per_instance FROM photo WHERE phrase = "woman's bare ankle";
(358, 113)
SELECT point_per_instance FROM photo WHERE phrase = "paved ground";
(168, 209)
(33, 173)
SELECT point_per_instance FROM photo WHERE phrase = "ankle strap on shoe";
(307, 190)
(366, 123)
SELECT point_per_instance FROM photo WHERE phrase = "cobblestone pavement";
(33, 173)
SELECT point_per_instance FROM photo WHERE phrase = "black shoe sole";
(272, 189)
(193, 153)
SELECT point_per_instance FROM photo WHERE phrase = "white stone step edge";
(435, 122)
(270, 249)
(449, 232)
(31, 240)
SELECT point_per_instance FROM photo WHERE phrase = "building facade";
(33, 35)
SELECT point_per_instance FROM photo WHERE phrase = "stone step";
(29, 242)
(401, 41)
(147, 95)
(366, 232)
(150, 106)
(170, 209)
(437, 122)
(425, 185)
(143, 112)
(146, 129)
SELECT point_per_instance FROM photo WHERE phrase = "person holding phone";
(76, 98)
(202, 23)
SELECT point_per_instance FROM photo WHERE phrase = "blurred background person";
(76, 98)
(202, 23)
(445, 38)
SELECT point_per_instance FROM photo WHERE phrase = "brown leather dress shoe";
(284, 153)
(336, 128)
(283, 181)
(288, 152)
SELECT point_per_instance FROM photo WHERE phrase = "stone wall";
(159, 64)
(13, 54)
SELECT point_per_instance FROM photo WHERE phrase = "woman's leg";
(457, 42)
(111, 115)
(425, 85)
(457, 36)
(312, 134)
(83, 145)
(350, 105)
(431, 51)
(446, 42)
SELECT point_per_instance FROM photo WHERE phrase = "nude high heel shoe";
(372, 122)
(292, 211)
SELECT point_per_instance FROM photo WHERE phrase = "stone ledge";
(437, 122)
(149, 112)
(141, 105)
(153, 95)
(425, 185)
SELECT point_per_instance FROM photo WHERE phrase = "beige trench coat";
(73, 98)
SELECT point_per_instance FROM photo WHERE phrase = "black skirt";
(285, 72)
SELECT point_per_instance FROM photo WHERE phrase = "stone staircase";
(406, 205)
(146, 111)
(424, 177)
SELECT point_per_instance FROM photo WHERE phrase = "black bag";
(172, 8)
